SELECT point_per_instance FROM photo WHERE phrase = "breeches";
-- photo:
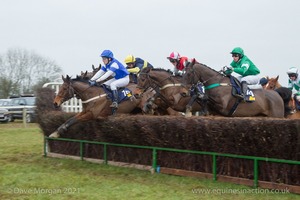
(250, 80)
(115, 83)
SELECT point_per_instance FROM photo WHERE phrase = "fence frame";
(155, 149)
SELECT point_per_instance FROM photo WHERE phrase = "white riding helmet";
(292, 70)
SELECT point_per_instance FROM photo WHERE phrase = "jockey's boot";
(244, 90)
(247, 97)
(115, 99)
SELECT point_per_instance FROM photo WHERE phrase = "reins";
(155, 86)
(73, 92)
(211, 86)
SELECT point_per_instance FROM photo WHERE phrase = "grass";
(26, 174)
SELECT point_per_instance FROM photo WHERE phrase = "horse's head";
(191, 75)
(144, 79)
(273, 83)
(65, 92)
(89, 75)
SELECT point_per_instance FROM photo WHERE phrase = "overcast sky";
(74, 32)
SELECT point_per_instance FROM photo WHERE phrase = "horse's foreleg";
(64, 127)
(148, 107)
(70, 122)
(188, 109)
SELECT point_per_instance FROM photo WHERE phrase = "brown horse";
(94, 102)
(145, 97)
(170, 93)
(219, 90)
(286, 95)
(92, 73)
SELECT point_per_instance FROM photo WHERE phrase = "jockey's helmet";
(174, 56)
(129, 59)
(107, 54)
(293, 71)
(263, 81)
(238, 50)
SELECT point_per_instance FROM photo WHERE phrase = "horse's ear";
(193, 61)
(268, 78)
(277, 78)
(93, 67)
(191, 64)
(68, 77)
(63, 78)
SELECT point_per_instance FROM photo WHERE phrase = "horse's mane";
(81, 79)
(147, 69)
(210, 68)
(161, 69)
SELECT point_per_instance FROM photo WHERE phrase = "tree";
(21, 71)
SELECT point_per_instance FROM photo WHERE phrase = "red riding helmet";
(174, 56)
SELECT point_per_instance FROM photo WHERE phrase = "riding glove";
(92, 83)
(228, 71)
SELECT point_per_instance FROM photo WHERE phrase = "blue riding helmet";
(107, 53)
(263, 81)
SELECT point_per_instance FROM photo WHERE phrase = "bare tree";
(22, 70)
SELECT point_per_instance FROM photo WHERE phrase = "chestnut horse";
(286, 95)
(220, 99)
(95, 103)
(170, 92)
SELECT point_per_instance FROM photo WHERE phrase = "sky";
(73, 33)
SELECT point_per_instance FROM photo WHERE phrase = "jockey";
(179, 62)
(135, 65)
(242, 65)
(112, 67)
(263, 81)
(294, 83)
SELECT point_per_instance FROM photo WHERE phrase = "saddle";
(237, 90)
(123, 93)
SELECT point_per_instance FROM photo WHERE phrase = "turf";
(26, 174)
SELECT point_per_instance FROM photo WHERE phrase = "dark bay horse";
(219, 90)
(95, 104)
(170, 93)
(286, 95)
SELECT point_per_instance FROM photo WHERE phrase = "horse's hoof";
(54, 135)
(188, 114)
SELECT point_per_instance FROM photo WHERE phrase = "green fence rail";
(155, 149)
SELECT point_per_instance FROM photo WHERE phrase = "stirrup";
(249, 99)
(114, 105)
(241, 96)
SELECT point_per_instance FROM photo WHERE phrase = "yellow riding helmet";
(129, 59)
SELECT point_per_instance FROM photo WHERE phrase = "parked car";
(5, 116)
(5, 102)
(19, 103)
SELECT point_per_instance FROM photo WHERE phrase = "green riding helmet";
(238, 50)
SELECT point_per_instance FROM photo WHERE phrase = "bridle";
(154, 85)
(196, 78)
(71, 92)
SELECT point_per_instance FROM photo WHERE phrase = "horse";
(94, 102)
(92, 73)
(145, 97)
(170, 93)
(219, 88)
(286, 95)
